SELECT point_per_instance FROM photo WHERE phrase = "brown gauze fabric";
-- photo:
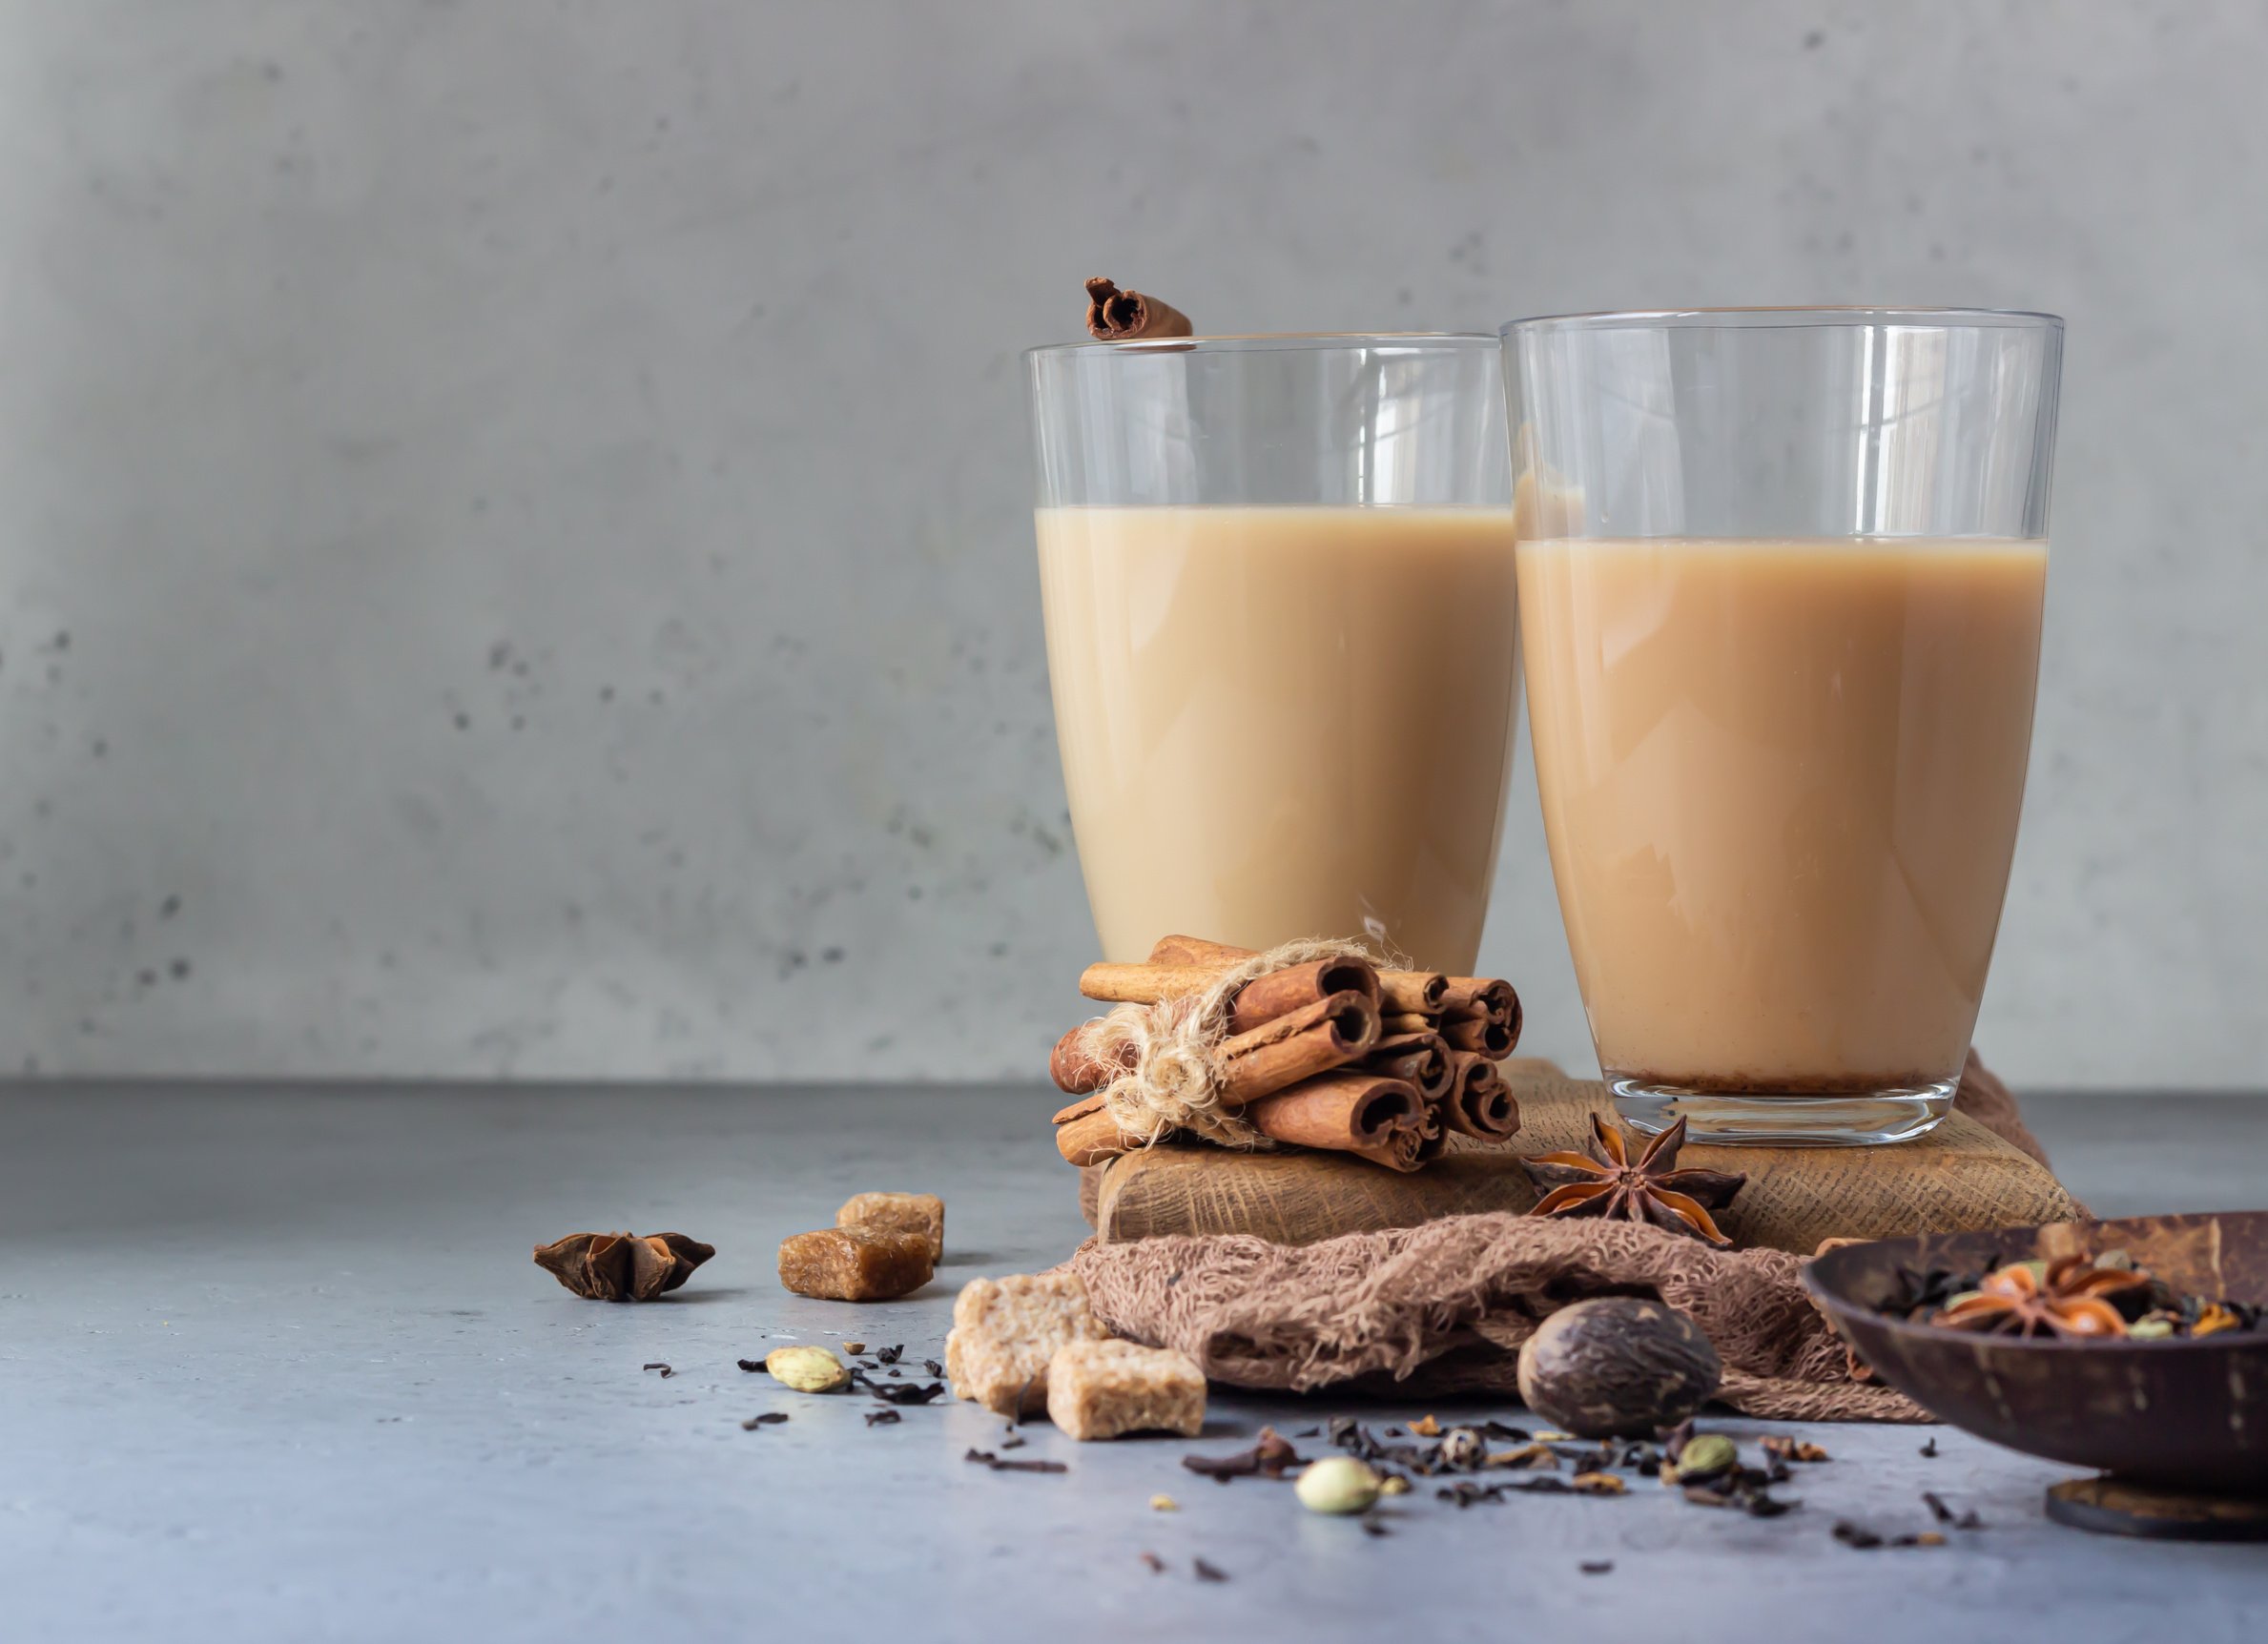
(1442, 1308)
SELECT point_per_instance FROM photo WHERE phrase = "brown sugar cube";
(854, 1264)
(1004, 1332)
(923, 1213)
(1101, 1389)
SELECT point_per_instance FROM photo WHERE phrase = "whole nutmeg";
(1461, 1449)
(1706, 1455)
(1618, 1367)
(1338, 1483)
(806, 1370)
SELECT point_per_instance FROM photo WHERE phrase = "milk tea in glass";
(1782, 575)
(1279, 586)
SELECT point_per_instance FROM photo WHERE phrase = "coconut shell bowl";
(2177, 1427)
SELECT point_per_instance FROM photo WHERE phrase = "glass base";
(1841, 1119)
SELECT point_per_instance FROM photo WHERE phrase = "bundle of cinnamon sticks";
(1339, 1053)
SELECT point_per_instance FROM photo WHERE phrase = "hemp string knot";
(1169, 1049)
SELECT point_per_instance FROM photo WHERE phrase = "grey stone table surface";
(273, 1364)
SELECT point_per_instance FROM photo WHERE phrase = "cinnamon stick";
(1411, 992)
(1145, 985)
(1076, 1072)
(1420, 1059)
(1280, 992)
(1328, 1033)
(1092, 1138)
(1394, 1025)
(1498, 999)
(1341, 1112)
(1115, 316)
(1262, 999)
(1196, 951)
(1417, 993)
(1479, 1103)
(1473, 1029)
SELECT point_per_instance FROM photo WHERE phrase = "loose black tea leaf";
(657, 1364)
(890, 1355)
(770, 1418)
(1370, 1526)
(1855, 1535)
(901, 1393)
(1308, 1432)
(1013, 1441)
(1931, 1448)
(896, 1371)
(1512, 1434)
(882, 1418)
(1206, 1571)
(1266, 1459)
(1157, 1565)
(1969, 1521)
(1927, 1538)
(985, 1458)
(1423, 1459)
(1597, 1566)
(1743, 1489)
(1938, 1510)
(751, 1365)
(933, 1367)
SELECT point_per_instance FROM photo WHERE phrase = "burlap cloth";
(1443, 1308)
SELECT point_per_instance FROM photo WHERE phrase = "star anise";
(1607, 1182)
(622, 1266)
(2070, 1297)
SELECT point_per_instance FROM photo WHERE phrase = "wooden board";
(1958, 1177)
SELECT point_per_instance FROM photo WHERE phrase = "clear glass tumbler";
(1781, 582)
(1279, 587)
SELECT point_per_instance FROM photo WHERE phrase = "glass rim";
(1777, 318)
(1267, 342)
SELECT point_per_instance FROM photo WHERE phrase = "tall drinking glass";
(1278, 580)
(1780, 580)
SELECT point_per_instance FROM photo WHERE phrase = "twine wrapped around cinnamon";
(1172, 1066)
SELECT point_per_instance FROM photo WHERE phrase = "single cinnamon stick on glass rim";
(1115, 316)
(1328, 1033)
(1075, 1071)
(1420, 1057)
(1479, 1103)
(1337, 1111)
(1398, 991)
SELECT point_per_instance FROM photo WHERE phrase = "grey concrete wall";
(514, 552)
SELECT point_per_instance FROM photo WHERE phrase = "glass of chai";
(1278, 580)
(1780, 577)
